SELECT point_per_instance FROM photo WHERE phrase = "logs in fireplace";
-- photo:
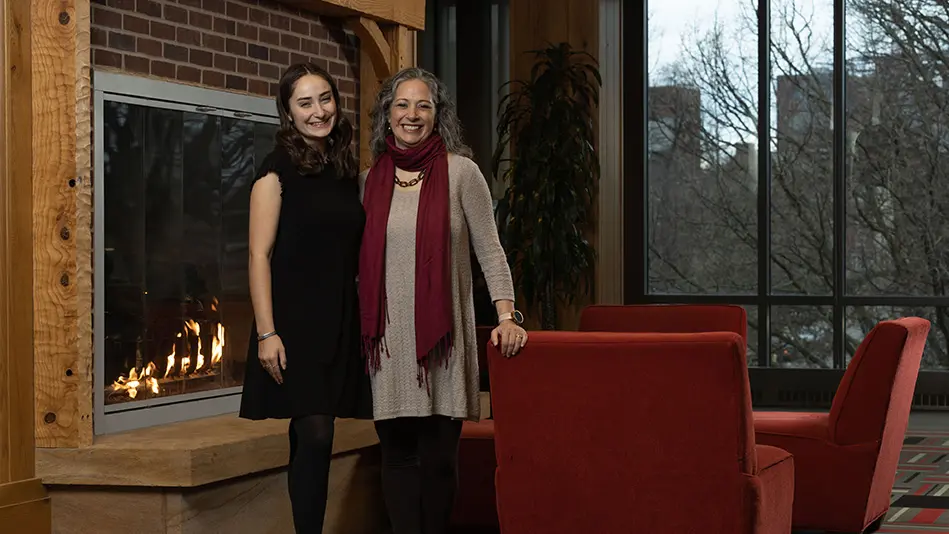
(173, 363)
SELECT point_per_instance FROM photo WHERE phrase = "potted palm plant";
(551, 174)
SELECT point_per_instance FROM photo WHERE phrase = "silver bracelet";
(265, 336)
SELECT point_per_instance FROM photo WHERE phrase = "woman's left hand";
(509, 338)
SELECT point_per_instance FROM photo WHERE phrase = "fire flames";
(146, 377)
(137, 380)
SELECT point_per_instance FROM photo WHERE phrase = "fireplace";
(172, 311)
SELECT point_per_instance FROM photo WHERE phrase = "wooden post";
(401, 48)
(382, 53)
(369, 84)
(24, 505)
(62, 219)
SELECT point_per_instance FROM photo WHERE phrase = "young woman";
(424, 200)
(306, 223)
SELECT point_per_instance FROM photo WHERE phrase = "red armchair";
(474, 505)
(590, 438)
(846, 459)
(667, 318)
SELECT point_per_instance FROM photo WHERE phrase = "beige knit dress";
(455, 389)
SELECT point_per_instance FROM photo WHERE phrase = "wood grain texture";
(24, 508)
(410, 13)
(82, 235)
(256, 503)
(6, 425)
(610, 273)
(93, 510)
(16, 227)
(383, 52)
(26, 490)
(187, 454)
(401, 48)
(535, 23)
(373, 43)
(62, 319)
(369, 84)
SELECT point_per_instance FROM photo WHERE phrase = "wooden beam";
(409, 13)
(382, 53)
(183, 454)
(24, 504)
(62, 207)
(16, 229)
(83, 348)
(373, 43)
(610, 222)
(369, 84)
(401, 48)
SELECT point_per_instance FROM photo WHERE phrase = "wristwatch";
(515, 316)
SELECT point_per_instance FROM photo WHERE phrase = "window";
(795, 157)
(702, 112)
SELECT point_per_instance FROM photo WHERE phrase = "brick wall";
(237, 45)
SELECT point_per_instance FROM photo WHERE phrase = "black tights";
(419, 472)
(311, 448)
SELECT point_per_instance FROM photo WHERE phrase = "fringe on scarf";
(372, 349)
(439, 355)
(374, 346)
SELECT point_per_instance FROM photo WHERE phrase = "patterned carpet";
(921, 494)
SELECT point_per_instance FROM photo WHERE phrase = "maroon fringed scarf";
(433, 303)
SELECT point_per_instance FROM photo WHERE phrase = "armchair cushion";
(796, 424)
(832, 481)
(588, 438)
(776, 473)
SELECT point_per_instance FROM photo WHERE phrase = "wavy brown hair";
(339, 144)
(447, 123)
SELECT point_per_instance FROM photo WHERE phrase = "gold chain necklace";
(412, 182)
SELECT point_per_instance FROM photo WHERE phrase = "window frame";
(635, 200)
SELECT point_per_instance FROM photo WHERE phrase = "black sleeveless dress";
(314, 263)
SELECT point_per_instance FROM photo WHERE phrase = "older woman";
(424, 200)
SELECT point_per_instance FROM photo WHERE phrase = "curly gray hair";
(446, 113)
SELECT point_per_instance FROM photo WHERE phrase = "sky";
(671, 20)
(674, 21)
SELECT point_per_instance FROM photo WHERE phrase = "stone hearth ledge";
(187, 454)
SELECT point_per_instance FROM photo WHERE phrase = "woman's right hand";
(273, 357)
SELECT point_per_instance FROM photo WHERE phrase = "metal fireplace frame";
(109, 86)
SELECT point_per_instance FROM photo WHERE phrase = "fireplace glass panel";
(178, 314)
